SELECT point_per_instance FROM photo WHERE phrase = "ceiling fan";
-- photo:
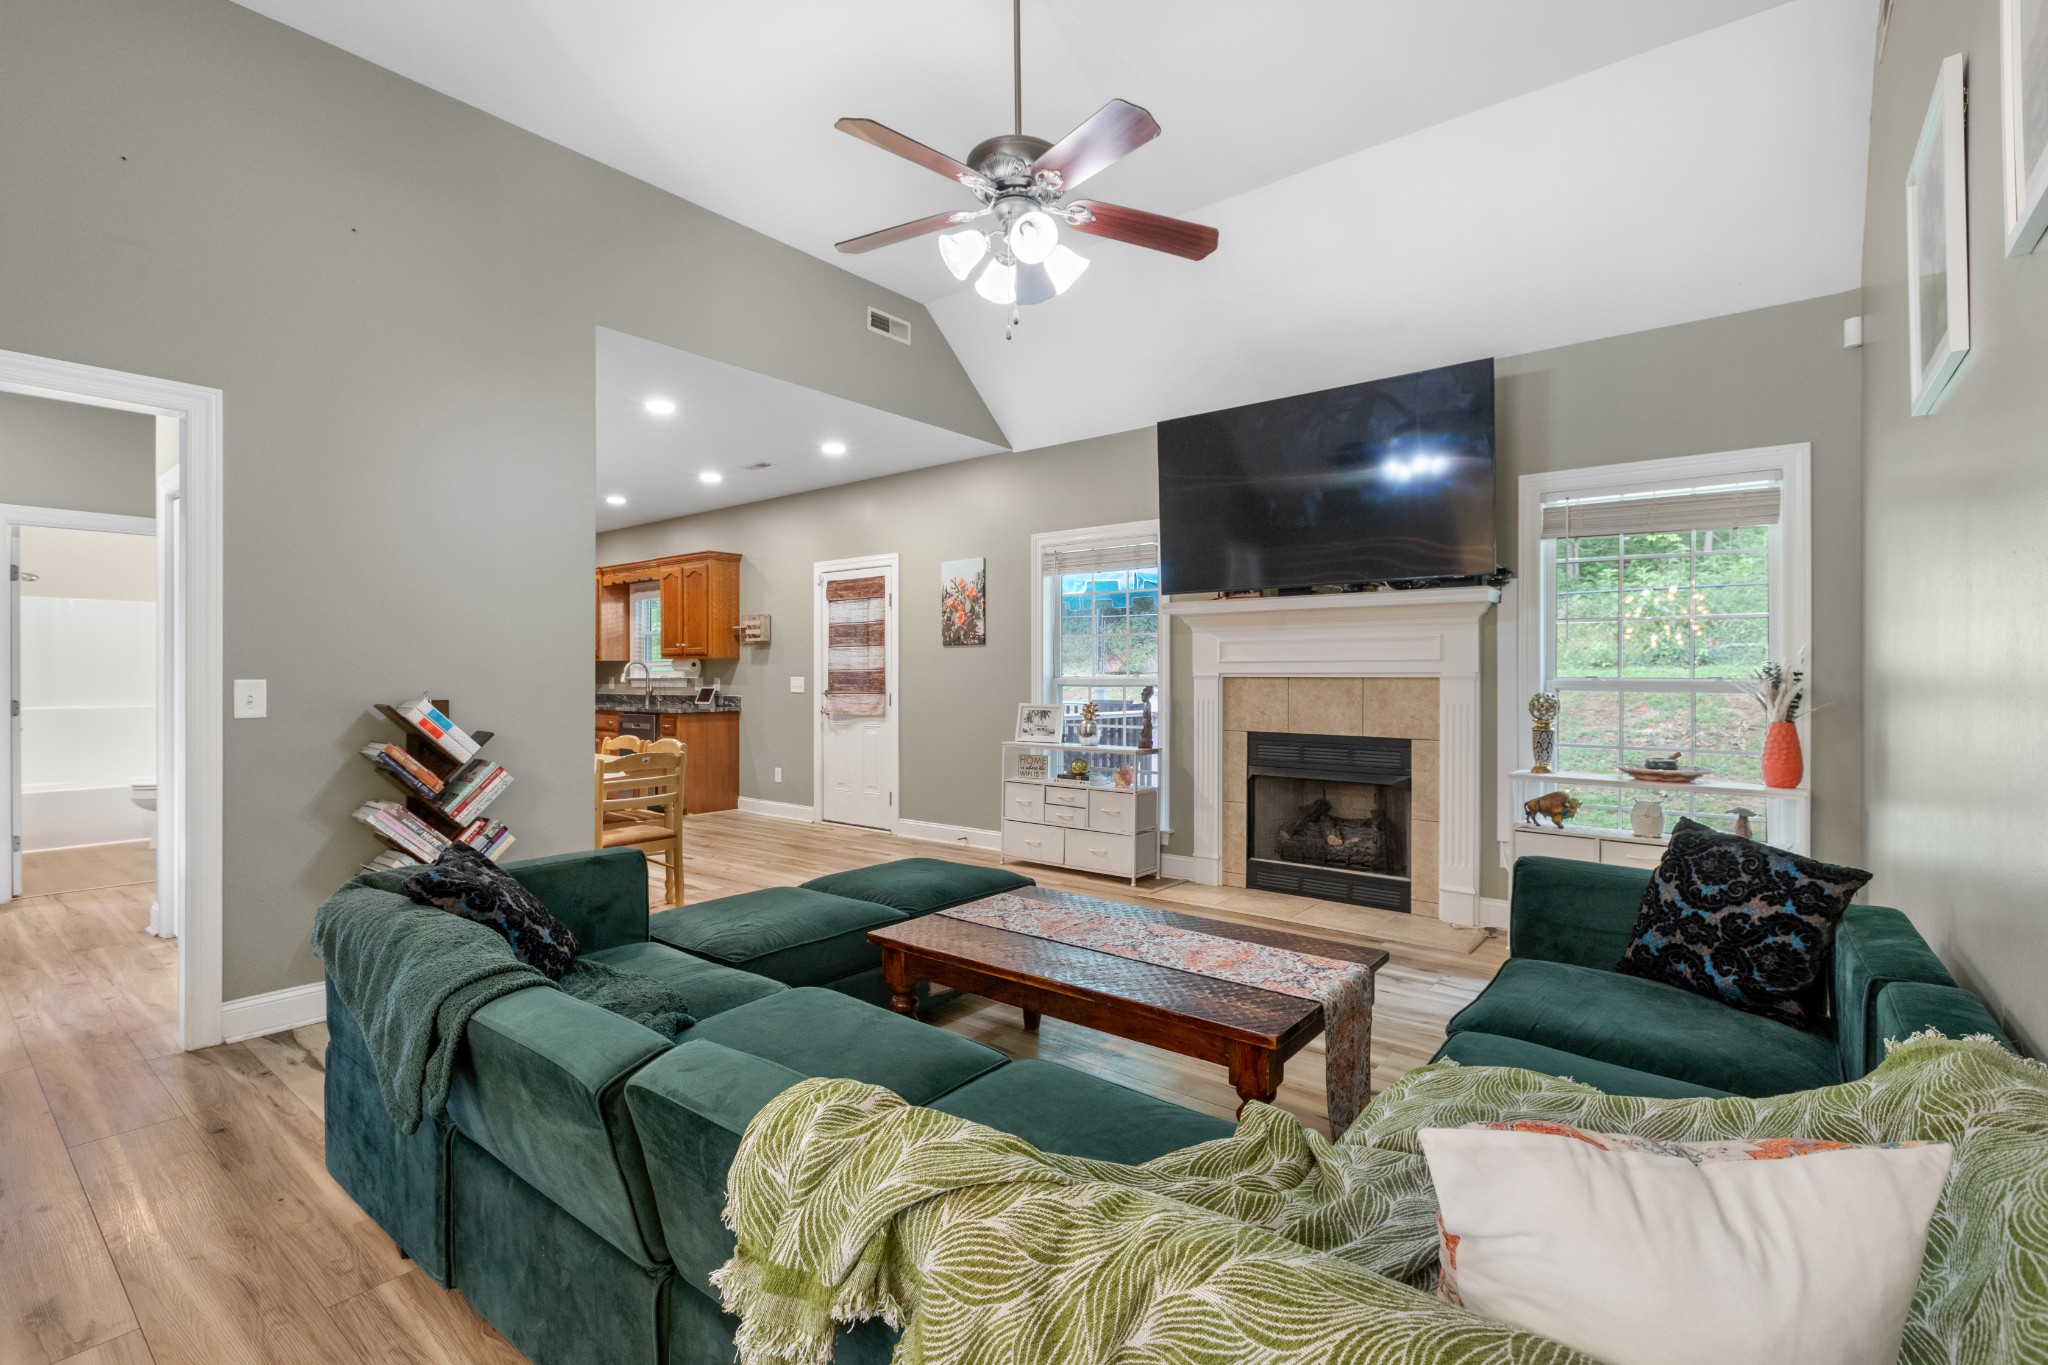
(1021, 181)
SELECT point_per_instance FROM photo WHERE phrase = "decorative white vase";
(1646, 819)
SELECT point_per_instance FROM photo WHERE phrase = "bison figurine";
(1559, 806)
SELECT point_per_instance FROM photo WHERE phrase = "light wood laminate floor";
(166, 1208)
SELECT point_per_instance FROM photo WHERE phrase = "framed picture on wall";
(2026, 124)
(1938, 244)
(1038, 723)
(963, 602)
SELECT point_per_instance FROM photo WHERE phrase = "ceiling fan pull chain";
(1016, 320)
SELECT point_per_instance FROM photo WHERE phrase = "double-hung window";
(1100, 634)
(644, 622)
(1657, 596)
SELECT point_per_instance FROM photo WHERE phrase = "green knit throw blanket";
(414, 976)
(1279, 1247)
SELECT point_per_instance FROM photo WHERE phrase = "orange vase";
(1783, 763)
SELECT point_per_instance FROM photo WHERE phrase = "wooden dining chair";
(638, 803)
(622, 744)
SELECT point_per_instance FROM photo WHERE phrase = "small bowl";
(1676, 777)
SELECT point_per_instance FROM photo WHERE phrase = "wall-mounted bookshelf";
(445, 784)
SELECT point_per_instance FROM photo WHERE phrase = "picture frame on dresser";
(1038, 722)
(2024, 52)
(1938, 243)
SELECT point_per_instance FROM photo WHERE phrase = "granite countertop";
(673, 703)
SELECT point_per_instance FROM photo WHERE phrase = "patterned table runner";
(1343, 988)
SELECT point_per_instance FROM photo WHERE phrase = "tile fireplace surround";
(1400, 665)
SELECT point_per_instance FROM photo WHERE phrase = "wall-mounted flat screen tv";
(1382, 482)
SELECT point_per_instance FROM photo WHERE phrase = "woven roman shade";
(856, 656)
(1704, 509)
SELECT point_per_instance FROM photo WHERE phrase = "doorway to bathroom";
(154, 944)
(83, 688)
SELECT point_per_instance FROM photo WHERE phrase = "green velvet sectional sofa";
(1559, 1006)
(573, 1188)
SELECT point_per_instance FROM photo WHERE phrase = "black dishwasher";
(642, 725)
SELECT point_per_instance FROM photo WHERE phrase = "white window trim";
(1524, 664)
(1044, 620)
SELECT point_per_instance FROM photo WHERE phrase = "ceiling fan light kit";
(1021, 181)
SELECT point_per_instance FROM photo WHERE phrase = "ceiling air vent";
(896, 329)
(758, 464)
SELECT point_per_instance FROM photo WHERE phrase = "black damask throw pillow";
(1741, 922)
(464, 882)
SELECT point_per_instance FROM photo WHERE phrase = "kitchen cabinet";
(711, 777)
(700, 605)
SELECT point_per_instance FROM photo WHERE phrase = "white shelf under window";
(1711, 786)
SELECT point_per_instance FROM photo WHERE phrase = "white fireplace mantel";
(1424, 633)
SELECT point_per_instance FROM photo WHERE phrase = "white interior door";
(856, 777)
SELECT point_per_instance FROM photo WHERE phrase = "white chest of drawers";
(1087, 828)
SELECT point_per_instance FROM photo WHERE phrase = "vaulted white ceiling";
(1399, 183)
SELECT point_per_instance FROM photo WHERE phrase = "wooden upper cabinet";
(700, 604)
(614, 619)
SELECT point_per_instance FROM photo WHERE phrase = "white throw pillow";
(1640, 1252)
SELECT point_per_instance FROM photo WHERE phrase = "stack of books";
(400, 828)
(488, 837)
(447, 736)
(389, 860)
(410, 773)
(475, 785)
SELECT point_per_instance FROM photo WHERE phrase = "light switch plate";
(778, 774)
(252, 698)
(796, 684)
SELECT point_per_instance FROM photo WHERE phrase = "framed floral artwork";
(963, 602)
(1938, 244)
(2025, 54)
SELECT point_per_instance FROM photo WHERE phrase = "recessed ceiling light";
(710, 476)
(834, 447)
(616, 499)
(661, 407)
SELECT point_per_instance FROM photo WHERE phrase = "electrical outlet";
(796, 684)
(252, 698)
(778, 774)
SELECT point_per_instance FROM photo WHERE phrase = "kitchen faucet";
(645, 672)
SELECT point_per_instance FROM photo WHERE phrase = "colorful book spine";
(467, 779)
(409, 772)
(475, 803)
(400, 827)
(428, 719)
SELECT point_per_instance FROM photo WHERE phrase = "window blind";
(1703, 509)
(1105, 558)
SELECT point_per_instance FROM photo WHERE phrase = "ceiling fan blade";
(1175, 236)
(903, 232)
(1114, 130)
(910, 149)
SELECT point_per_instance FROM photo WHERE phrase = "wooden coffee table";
(1246, 1029)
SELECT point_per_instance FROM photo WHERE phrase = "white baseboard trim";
(1188, 868)
(927, 832)
(1493, 913)
(255, 1015)
(779, 810)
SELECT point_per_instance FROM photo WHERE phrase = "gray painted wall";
(80, 458)
(955, 705)
(1774, 376)
(1763, 378)
(398, 296)
(1958, 644)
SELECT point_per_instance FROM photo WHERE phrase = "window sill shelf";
(1708, 785)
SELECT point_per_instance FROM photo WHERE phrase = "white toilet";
(143, 794)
